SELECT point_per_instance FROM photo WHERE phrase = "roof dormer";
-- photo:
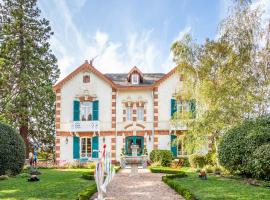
(135, 76)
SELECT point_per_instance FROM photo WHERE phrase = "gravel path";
(146, 186)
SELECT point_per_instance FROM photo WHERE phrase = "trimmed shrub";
(165, 170)
(165, 157)
(87, 192)
(237, 148)
(197, 160)
(261, 162)
(176, 185)
(12, 150)
(88, 175)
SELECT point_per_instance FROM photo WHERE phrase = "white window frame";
(135, 78)
(140, 113)
(87, 154)
(129, 113)
(86, 110)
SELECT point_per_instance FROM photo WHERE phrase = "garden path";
(146, 186)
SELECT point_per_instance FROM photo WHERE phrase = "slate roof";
(148, 78)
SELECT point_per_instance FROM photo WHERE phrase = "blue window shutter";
(95, 110)
(173, 146)
(95, 147)
(173, 107)
(193, 108)
(76, 147)
(76, 110)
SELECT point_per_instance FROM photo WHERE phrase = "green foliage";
(12, 150)
(165, 157)
(197, 160)
(211, 158)
(87, 192)
(28, 71)
(261, 162)
(165, 170)
(209, 169)
(184, 160)
(241, 145)
(186, 193)
(88, 175)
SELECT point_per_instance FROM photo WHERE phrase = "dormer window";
(135, 78)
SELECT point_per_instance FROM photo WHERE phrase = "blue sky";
(126, 33)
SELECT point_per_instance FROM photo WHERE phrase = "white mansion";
(93, 108)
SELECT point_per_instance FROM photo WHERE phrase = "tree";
(28, 70)
(224, 74)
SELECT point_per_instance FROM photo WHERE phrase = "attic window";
(86, 79)
(135, 78)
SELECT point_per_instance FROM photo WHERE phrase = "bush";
(261, 162)
(237, 148)
(12, 150)
(176, 185)
(184, 160)
(197, 160)
(87, 192)
(88, 175)
(165, 170)
(165, 157)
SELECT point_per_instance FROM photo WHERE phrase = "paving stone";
(145, 186)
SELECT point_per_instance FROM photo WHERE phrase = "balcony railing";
(78, 126)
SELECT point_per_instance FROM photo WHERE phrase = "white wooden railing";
(77, 126)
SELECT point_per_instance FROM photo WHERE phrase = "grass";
(54, 184)
(216, 187)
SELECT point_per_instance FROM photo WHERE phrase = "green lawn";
(54, 184)
(222, 188)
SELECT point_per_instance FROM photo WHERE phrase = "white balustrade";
(77, 126)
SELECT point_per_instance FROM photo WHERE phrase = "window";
(86, 111)
(183, 106)
(140, 113)
(86, 147)
(86, 79)
(129, 113)
(135, 79)
(180, 149)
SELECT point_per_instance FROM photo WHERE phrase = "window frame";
(134, 80)
(84, 112)
(129, 111)
(87, 154)
(140, 115)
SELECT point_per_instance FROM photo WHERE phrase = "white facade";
(153, 94)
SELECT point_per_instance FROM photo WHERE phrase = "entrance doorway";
(138, 140)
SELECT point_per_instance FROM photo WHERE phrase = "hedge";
(88, 175)
(239, 149)
(12, 151)
(87, 192)
(176, 185)
(165, 170)
(165, 157)
(184, 160)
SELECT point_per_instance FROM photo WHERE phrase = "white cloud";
(73, 46)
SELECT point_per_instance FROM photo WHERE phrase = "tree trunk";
(216, 146)
(24, 134)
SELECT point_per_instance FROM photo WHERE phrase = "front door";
(138, 140)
